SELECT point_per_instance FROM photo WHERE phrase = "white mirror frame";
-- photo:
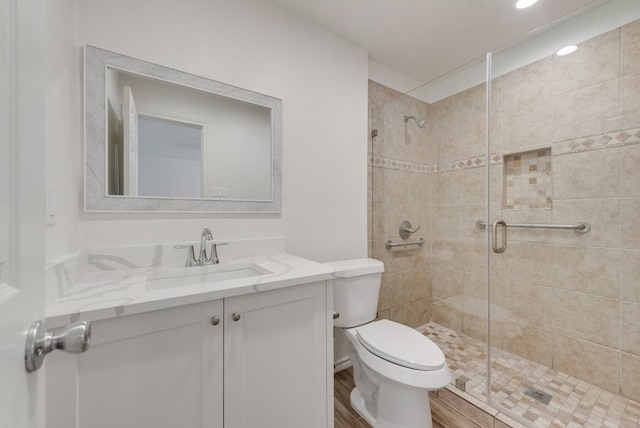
(96, 198)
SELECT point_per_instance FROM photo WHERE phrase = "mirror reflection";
(168, 140)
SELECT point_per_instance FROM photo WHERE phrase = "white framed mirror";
(159, 139)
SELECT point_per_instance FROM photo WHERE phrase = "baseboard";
(342, 364)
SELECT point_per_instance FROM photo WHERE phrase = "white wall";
(254, 44)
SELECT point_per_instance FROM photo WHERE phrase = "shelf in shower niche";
(527, 180)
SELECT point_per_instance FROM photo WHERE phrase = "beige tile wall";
(400, 184)
(567, 300)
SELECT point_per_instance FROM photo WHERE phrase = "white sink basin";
(205, 275)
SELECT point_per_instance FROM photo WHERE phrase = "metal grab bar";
(580, 227)
(390, 244)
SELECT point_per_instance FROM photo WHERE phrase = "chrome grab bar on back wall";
(580, 227)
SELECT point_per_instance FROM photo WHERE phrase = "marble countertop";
(102, 294)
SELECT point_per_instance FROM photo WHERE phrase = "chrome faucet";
(204, 237)
(202, 259)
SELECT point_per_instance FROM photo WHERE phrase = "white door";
(130, 146)
(22, 121)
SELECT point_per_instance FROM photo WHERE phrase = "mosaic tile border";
(389, 163)
(606, 140)
(619, 138)
(478, 162)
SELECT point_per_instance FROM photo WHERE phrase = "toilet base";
(358, 404)
(397, 407)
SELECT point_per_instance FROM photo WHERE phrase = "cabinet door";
(157, 369)
(276, 364)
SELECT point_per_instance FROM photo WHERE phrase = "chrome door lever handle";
(75, 338)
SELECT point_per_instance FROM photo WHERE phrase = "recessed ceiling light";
(567, 50)
(523, 4)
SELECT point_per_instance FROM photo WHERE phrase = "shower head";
(419, 122)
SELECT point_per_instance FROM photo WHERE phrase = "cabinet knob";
(215, 320)
(235, 316)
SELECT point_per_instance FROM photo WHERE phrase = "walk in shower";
(541, 323)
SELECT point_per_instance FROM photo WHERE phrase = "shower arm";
(419, 122)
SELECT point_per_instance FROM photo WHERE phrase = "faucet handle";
(191, 255)
(406, 230)
(214, 253)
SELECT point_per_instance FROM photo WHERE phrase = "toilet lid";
(401, 345)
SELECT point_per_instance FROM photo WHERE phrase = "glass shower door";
(456, 129)
(563, 294)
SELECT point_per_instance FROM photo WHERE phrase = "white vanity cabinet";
(265, 364)
(277, 373)
(156, 369)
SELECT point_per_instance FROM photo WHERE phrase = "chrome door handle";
(74, 338)
(235, 316)
(503, 225)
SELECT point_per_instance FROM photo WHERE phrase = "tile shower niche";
(527, 180)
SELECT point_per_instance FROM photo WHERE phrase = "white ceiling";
(424, 39)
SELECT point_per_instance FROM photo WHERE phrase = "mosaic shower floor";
(574, 403)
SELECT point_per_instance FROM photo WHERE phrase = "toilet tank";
(356, 288)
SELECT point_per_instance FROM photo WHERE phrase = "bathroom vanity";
(245, 343)
(241, 344)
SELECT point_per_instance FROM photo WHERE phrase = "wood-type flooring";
(344, 415)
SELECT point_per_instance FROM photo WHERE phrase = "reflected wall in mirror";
(163, 140)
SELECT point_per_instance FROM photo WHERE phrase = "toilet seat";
(400, 345)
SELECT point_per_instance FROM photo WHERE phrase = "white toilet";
(394, 366)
